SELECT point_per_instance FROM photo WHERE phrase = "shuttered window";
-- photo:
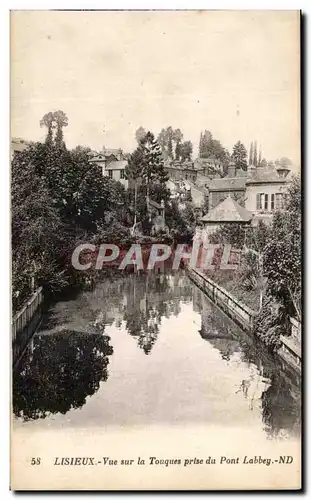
(266, 201)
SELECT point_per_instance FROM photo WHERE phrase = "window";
(110, 174)
(272, 202)
(122, 174)
(266, 201)
(278, 201)
(260, 199)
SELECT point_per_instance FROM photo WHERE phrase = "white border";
(304, 5)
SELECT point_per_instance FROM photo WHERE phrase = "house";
(227, 212)
(116, 170)
(233, 184)
(199, 196)
(210, 167)
(264, 190)
(112, 162)
(178, 170)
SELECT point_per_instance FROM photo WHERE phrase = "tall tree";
(255, 154)
(186, 149)
(140, 134)
(61, 121)
(48, 122)
(152, 164)
(239, 155)
(134, 172)
(54, 122)
(251, 154)
(260, 156)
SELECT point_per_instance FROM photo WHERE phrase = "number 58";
(35, 461)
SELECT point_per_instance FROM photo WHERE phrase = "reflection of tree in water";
(149, 298)
(280, 401)
(58, 372)
(281, 406)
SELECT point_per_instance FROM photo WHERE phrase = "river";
(150, 349)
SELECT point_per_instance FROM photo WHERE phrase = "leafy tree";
(61, 122)
(204, 145)
(140, 134)
(260, 157)
(255, 154)
(54, 122)
(186, 149)
(134, 173)
(239, 155)
(282, 255)
(251, 154)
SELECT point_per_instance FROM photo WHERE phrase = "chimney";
(231, 169)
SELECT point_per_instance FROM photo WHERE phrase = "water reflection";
(149, 298)
(203, 368)
(58, 372)
(280, 400)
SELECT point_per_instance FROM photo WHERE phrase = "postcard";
(156, 250)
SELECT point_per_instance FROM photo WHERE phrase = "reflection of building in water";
(150, 297)
(216, 330)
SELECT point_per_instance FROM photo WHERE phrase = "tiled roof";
(98, 157)
(201, 189)
(228, 211)
(227, 184)
(117, 165)
(263, 174)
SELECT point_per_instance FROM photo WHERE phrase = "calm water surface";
(150, 349)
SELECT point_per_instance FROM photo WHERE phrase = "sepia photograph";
(156, 249)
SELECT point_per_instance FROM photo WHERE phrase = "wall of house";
(116, 175)
(216, 197)
(198, 198)
(268, 189)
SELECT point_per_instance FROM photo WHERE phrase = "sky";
(235, 73)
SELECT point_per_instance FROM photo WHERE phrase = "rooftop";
(228, 211)
(227, 184)
(117, 165)
(263, 174)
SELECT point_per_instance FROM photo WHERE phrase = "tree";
(48, 122)
(255, 154)
(54, 122)
(251, 154)
(186, 150)
(260, 157)
(152, 165)
(239, 155)
(134, 172)
(169, 141)
(140, 134)
(282, 255)
(61, 122)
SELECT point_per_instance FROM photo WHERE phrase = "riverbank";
(288, 346)
(233, 282)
